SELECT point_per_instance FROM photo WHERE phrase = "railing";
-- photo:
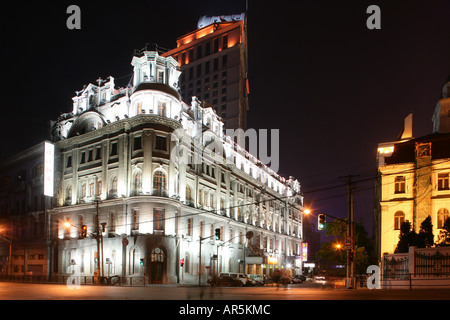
(432, 264)
(395, 267)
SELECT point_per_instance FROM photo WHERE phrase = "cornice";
(124, 125)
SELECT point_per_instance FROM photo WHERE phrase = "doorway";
(157, 260)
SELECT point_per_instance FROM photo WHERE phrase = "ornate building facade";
(413, 178)
(145, 181)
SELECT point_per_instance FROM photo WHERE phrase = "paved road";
(218, 303)
(22, 291)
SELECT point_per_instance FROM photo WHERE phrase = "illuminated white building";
(413, 179)
(161, 174)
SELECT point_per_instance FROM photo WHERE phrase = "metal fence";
(431, 264)
(395, 267)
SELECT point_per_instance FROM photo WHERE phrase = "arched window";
(188, 193)
(442, 215)
(135, 261)
(114, 184)
(159, 183)
(157, 255)
(138, 181)
(69, 192)
(399, 218)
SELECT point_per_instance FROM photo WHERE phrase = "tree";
(425, 237)
(405, 238)
(409, 238)
(330, 255)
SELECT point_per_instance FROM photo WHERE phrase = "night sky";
(334, 88)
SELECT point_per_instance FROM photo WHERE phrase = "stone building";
(24, 223)
(413, 178)
(144, 180)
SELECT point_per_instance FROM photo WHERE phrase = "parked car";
(225, 281)
(258, 279)
(235, 275)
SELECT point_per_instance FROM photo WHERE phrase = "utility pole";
(98, 238)
(200, 259)
(200, 263)
(350, 234)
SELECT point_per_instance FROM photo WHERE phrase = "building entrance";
(157, 260)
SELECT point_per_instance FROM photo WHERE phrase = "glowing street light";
(67, 224)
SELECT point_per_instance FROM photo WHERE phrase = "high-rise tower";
(213, 60)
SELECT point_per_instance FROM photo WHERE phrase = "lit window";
(162, 108)
(443, 181)
(159, 182)
(188, 193)
(400, 184)
(442, 216)
(138, 181)
(399, 218)
(157, 255)
(135, 223)
(158, 219)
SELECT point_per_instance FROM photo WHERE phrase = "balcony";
(159, 192)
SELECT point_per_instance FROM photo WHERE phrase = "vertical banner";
(49, 159)
(304, 251)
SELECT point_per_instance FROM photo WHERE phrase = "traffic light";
(321, 220)
(182, 262)
(142, 262)
(83, 231)
(217, 234)
(350, 255)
